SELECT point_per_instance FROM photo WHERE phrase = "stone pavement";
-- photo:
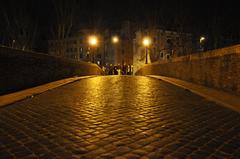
(220, 97)
(21, 95)
(118, 117)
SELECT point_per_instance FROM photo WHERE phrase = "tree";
(64, 20)
(21, 25)
(64, 15)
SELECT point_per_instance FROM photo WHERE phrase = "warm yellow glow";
(202, 39)
(146, 41)
(92, 40)
(115, 39)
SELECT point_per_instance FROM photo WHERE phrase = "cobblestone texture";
(118, 117)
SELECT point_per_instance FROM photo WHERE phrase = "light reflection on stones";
(117, 115)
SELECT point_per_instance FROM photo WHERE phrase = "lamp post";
(13, 42)
(93, 42)
(201, 41)
(115, 41)
(146, 43)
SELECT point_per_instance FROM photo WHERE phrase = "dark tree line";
(22, 21)
(65, 14)
(19, 25)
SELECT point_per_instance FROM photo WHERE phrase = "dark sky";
(196, 15)
(114, 11)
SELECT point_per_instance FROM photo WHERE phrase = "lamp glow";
(202, 39)
(92, 40)
(146, 41)
(115, 39)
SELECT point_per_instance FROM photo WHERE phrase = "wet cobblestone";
(122, 117)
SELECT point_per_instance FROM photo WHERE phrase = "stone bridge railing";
(21, 69)
(218, 68)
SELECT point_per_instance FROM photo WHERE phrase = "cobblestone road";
(118, 116)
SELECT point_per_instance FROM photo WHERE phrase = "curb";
(21, 95)
(219, 97)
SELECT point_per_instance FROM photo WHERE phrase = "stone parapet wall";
(21, 69)
(217, 69)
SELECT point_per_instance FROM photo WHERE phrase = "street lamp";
(146, 43)
(202, 38)
(201, 41)
(93, 42)
(115, 39)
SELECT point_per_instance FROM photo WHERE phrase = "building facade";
(107, 54)
(78, 48)
(164, 45)
(127, 54)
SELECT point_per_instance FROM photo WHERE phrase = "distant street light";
(146, 43)
(93, 42)
(202, 41)
(202, 38)
(115, 39)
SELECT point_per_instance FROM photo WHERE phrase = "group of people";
(117, 70)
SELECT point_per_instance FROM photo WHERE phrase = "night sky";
(202, 17)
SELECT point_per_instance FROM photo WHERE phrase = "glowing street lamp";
(146, 43)
(202, 39)
(115, 39)
(93, 42)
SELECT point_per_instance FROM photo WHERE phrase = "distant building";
(128, 53)
(123, 50)
(106, 54)
(77, 47)
(164, 45)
